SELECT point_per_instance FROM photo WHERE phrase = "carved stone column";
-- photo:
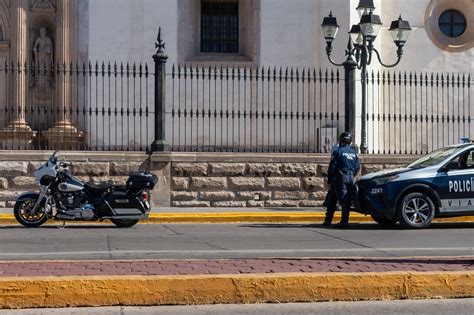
(64, 135)
(18, 133)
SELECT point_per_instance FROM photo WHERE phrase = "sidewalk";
(237, 281)
(230, 266)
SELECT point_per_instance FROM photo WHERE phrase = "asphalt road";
(232, 241)
(424, 307)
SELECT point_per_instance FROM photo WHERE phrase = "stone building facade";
(40, 33)
(274, 32)
(257, 33)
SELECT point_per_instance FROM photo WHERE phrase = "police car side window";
(464, 161)
(470, 159)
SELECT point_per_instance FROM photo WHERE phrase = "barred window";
(219, 26)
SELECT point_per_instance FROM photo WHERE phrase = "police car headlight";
(384, 180)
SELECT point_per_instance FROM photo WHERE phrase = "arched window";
(452, 23)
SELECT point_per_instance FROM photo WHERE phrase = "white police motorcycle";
(64, 197)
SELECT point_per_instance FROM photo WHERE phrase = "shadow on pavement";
(445, 262)
(363, 226)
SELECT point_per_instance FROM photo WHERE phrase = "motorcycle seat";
(99, 187)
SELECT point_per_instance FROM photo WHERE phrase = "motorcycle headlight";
(384, 180)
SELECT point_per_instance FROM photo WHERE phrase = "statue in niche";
(43, 49)
(43, 58)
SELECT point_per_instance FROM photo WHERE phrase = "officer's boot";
(344, 217)
(332, 206)
(328, 219)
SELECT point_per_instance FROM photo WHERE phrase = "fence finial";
(160, 44)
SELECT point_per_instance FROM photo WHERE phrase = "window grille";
(219, 27)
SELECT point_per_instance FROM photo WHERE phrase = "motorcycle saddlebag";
(142, 181)
(123, 203)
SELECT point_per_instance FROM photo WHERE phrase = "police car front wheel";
(416, 211)
(384, 221)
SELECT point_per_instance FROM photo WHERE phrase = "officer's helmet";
(345, 138)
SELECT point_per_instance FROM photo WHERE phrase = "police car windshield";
(434, 157)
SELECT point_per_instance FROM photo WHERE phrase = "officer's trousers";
(331, 204)
(343, 189)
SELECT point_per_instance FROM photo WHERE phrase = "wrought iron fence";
(87, 106)
(111, 106)
(242, 109)
(415, 113)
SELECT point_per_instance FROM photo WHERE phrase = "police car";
(440, 184)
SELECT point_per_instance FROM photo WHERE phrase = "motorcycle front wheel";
(25, 216)
(124, 223)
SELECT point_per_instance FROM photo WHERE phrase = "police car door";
(456, 188)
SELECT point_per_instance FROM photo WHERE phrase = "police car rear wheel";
(416, 211)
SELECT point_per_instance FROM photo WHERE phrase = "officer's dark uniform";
(343, 168)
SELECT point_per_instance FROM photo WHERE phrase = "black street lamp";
(364, 7)
(360, 49)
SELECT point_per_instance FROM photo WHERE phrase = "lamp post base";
(160, 146)
(355, 147)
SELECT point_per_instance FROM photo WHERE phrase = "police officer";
(343, 169)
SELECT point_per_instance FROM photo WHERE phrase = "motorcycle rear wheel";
(22, 214)
(124, 223)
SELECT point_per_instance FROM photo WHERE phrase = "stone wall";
(17, 170)
(197, 179)
(247, 184)
(257, 184)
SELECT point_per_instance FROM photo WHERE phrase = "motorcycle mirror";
(53, 156)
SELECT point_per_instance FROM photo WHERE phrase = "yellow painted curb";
(249, 217)
(243, 217)
(46, 292)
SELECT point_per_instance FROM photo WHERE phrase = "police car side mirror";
(449, 167)
(443, 169)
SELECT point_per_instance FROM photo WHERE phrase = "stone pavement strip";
(232, 266)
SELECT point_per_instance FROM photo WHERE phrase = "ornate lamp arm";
(328, 53)
(399, 54)
(350, 51)
(361, 53)
(369, 47)
(334, 63)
